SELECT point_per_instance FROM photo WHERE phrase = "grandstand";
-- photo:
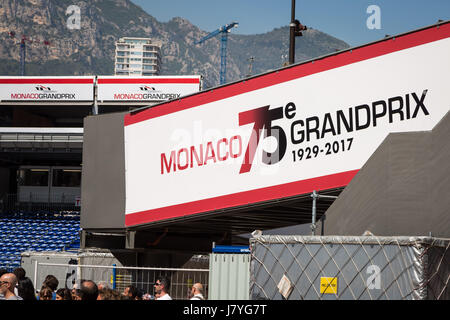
(41, 142)
(36, 231)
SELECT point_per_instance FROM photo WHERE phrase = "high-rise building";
(137, 56)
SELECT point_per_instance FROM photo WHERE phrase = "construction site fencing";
(119, 277)
(349, 268)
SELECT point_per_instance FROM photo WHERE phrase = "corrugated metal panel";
(229, 276)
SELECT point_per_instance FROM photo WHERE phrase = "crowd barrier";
(118, 277)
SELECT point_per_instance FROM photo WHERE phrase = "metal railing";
(117, 277)
(13, 202)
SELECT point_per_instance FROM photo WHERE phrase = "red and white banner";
(145, 89)
(289, 132)
(46, 89)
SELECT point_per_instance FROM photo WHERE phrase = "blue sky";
(343, 19)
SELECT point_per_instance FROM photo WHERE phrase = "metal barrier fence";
(116, 277)
(349, 268)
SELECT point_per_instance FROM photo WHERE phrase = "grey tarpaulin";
(361, 267)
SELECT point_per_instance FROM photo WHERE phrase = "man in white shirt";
(197, 291)
(162, 286)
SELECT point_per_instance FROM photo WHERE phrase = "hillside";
(90, 50)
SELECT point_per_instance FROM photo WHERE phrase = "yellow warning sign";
(328, 285)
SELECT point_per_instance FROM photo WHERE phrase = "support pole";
(95, 105)
(95, 108)
(315, 196)
(322, 232)
(23, 50)
(292, 34)
(114, 275)
(313, 223)
(35, 273)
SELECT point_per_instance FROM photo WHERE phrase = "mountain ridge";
(90, 50)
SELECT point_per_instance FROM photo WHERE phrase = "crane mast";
(23, 49)
(224, 30)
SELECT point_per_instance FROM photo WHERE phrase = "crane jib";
(224, 30)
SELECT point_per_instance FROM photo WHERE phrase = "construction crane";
(250, 65)
(224, 30)
(23, 49)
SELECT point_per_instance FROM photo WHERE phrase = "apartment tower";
(137, 57)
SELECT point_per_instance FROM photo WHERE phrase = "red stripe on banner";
(46, 81)
(327, 63)
(149, 80)
(242, 198)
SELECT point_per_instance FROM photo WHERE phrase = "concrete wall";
(403, 189)
(103, 177)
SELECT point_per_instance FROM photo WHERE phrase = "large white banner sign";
(145, 89)
(46, 89)
(285, 133)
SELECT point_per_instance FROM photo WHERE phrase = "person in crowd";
(25, 289)
(46, 293)
(51, 282)
(148, 296)
(8, 282)
(63, 294)
(76, 294)
(88, 290)
(102, 285)
(74, 290)
(20, 273)
(132, 293)
(116, 295)
(197, 292)
(108, 294)
(139, 295)
(3, 271)
(162, 286)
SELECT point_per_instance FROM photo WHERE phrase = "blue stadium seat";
(39, 231)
